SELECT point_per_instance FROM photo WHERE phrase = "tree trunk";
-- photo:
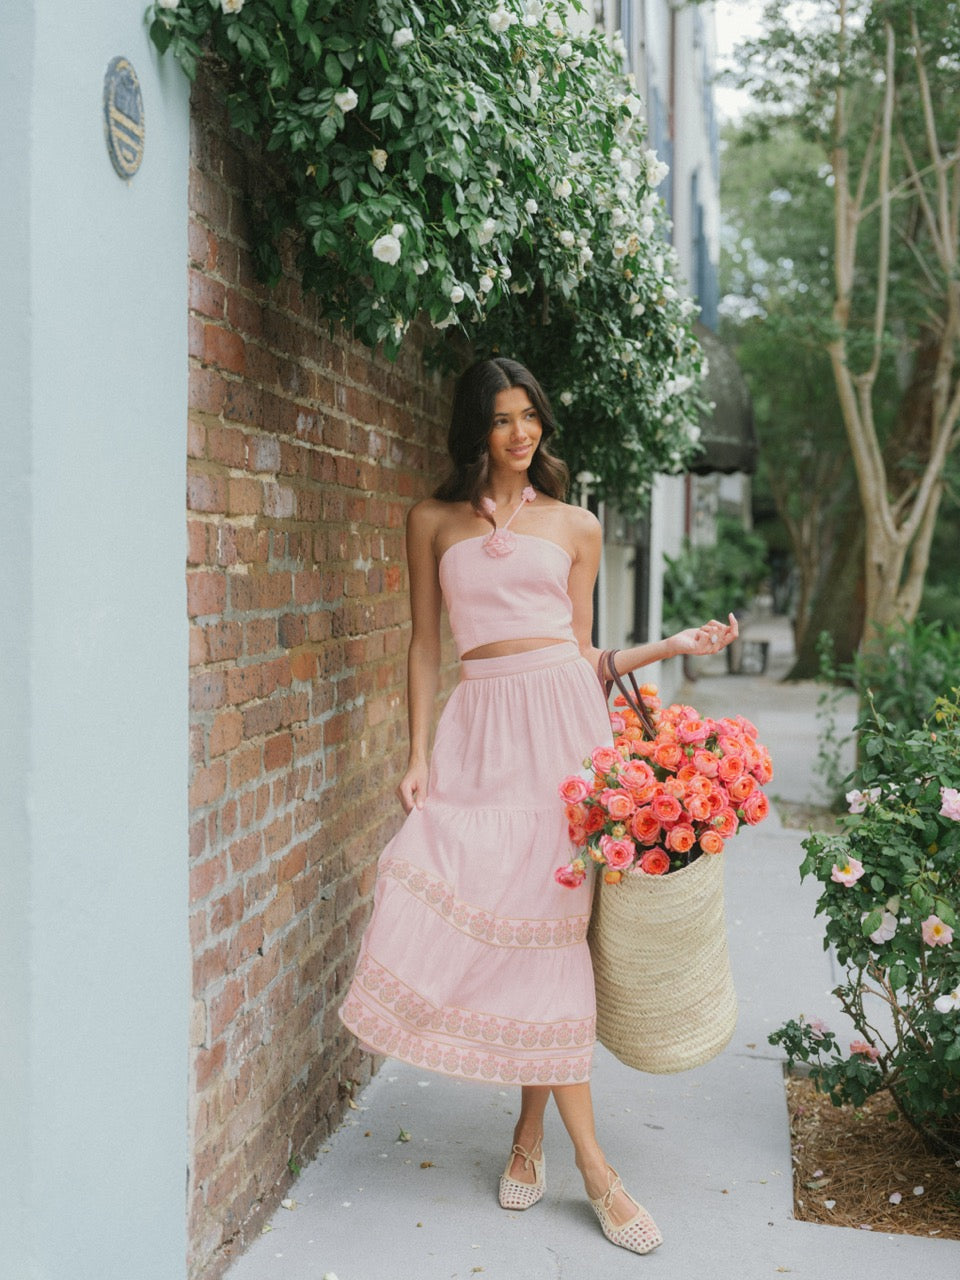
(838, 603)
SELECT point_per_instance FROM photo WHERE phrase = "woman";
(475, 961)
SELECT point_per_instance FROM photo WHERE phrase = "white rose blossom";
(378, 158)
(565, 50)
(167, 4)
(346, 99)
(568, 239)
(231, 6)
(532, 13)
(446, 322)
(398, 229)
(500, 20)
(456, 294)
(562, 188)
(531, 207)
(486, 231)
(566, 398)
(402, 36)
(387, 249)
(485, 285)
(421, 267)
(449, 30)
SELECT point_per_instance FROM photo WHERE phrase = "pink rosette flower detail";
(499, 543)
(950, 803)
(936, 933)
(605, 759)
(849, 873)
(755, 808)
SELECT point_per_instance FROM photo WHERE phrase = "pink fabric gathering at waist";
(511, 597)
(515, 664)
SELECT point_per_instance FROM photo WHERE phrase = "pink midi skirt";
(475, 961)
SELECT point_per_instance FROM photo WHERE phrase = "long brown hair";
(471, 422)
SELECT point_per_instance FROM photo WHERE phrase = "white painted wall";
(94, 965)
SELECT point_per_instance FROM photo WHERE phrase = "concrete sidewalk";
(708, 1151)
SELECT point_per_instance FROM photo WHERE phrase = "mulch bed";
(848, 1161)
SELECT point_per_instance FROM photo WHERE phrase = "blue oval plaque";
(123, 117)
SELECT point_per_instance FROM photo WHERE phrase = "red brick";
(206, 296)
(206, 593)
(208, 785)
(226, 732)
(223, 348)
(277, 752)
(303, 665)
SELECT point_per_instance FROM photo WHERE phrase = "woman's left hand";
(712, 637)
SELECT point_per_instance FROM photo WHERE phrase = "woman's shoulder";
(578, 520)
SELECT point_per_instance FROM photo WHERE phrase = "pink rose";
(655, 863)
(574, 789)
(706, 762)
(849, 873)
(617, 853)
(742, 787)
(730, 767)
(605, 759)
(729, 745)
(726, 822)
(668, 755)
(619, 804)
(950, 803)
(936, 933)
(617, 722)
(665, 807)
(635, 775)
(698, 807)
(692, 729)
(571, 876)
(755, 808)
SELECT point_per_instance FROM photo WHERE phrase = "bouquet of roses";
(652, 805)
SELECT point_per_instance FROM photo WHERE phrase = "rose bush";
(891, 896)
(484, 166)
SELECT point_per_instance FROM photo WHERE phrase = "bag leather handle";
(610, 676)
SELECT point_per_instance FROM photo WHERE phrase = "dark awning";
(728, 438)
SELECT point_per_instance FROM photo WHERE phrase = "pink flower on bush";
(936, 933)
(617, 853)
(849, 873)
(865, 1050)
(950, 803)
(818, 1028)
(857, 801)
(655, 862)
(605, 759)
(574, 789)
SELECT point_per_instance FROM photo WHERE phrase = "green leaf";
(871, 922)
(160, 34)
(299, 10)
(333, 70)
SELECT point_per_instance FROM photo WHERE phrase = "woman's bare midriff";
(503, 648)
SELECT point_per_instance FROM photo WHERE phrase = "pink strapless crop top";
(511, 597)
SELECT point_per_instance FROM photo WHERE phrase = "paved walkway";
(708, 1151)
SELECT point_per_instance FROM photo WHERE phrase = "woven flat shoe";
(640, 1234)
(521, 1195)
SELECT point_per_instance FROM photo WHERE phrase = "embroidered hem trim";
(483, 925)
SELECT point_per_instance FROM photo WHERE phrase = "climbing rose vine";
(484, 166)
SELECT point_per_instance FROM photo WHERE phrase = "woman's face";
(515, 432)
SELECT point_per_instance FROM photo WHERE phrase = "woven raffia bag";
(665, 995)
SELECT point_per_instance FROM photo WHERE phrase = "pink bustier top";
(515, 596)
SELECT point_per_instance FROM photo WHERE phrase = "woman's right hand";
(412, 790)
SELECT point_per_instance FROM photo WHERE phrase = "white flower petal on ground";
(895, 1197)
(387, 249)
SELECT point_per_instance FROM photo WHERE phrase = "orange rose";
(742, 787)
(619, 804)
(574, 789)
(655, 862)
(668, 755)
(644, 827)
(595, 819)
(711, 841)
(681, 838)
(698, 807)
(726, 822)
(755, 808)
(730, 767)
(604, 759)
(577, 813)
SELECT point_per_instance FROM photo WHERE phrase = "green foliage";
(709, 581)
(485, 168)
(892, 927)
(905, 669)
(829, 765)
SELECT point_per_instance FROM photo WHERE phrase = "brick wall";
(304, 455)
